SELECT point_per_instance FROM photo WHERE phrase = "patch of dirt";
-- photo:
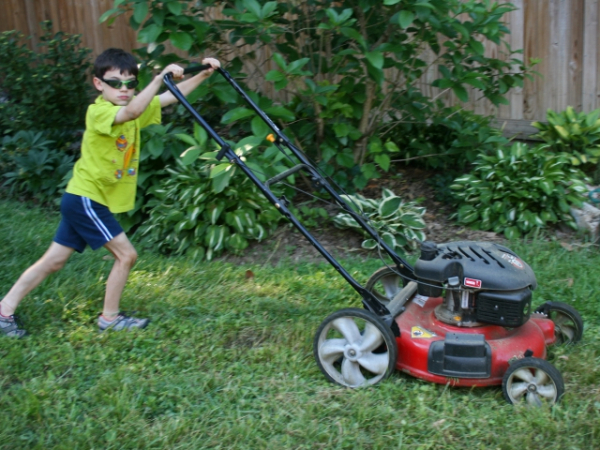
(289, 244)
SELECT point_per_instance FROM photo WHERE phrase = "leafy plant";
(189, 215)
(452, 140)
(577, 134)
(43, 89)
(19, 144)
(519, 190)
(398, 223)
(345, 70)
(39, 173)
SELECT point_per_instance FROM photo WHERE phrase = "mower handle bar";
(194, 69)
(226, 151)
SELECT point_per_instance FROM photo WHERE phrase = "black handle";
(194, 69)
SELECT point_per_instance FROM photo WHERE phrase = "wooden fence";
(564, 34)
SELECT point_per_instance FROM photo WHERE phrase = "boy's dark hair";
(115, 58)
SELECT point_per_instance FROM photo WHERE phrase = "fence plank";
(591, 58)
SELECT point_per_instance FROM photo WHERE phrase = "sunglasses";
(118, 84)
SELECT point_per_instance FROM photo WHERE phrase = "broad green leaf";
(280, 112)
(259, 127)
(219, 183)
(344, 159)
(375, 58)
(140, 11)
(413, 221)
(175, 7)
(253, 6)
(391, 147)
(236, 114)
(461, 93)
(512, 233)
(405, 18)
(190, 155)
(182, 40)
(149, 34)
(220, 169)
(389, 206)
(109, 13)
(186, 138)
(200, 134)
(477, 47)
(369, 244)
(383, 161)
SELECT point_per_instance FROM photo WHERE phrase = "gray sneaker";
(11, 326)
(122, 322)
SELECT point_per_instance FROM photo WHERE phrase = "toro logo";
(516, 262)
(472, 282)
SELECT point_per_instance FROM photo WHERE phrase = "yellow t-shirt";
(107, 170)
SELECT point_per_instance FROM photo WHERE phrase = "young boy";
(104, 182)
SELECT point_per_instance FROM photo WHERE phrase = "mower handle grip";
(194, 69)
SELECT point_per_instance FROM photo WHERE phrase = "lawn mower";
(461, 316)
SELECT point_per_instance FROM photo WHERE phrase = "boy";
(104, 182)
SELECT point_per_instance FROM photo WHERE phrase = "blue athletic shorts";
(85, 222)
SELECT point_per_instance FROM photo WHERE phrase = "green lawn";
(227, 362)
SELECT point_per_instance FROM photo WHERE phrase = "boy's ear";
(98, 84)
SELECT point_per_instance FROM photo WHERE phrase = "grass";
(227, 362)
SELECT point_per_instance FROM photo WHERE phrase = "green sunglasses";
(118, 84)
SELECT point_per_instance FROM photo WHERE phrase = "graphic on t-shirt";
(121, 143)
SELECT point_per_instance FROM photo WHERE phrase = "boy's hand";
(214, 63)
(176, 70)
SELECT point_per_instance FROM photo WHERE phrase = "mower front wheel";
(354, 348)
(568, 324)
(384, 284)
(533, 381)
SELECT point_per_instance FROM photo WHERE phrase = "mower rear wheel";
(533, 381)
(568, 324)
(354, 348)
(384, 284)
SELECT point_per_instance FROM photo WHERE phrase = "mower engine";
(485, 283)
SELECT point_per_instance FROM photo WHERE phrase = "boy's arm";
(140, 102)
(190, 84)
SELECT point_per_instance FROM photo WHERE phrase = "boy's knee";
(130, 257)
(55, 265)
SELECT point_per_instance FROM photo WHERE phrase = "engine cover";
(478, 265)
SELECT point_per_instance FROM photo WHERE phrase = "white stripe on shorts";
(87, 205)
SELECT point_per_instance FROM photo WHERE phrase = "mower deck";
(464, 356)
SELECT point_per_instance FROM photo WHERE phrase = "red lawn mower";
(461, 316)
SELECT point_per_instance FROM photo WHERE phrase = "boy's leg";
(54, 259)
(125, 257)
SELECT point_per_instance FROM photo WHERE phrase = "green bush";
(452, 140)
(519, 190)
(188, 215)
(577, 134)
(43, 89)
(398, 223)
(32, 166)
(346, 69)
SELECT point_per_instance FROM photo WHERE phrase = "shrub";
(519, 190)
(43, 89)
(32, 166)
(452, 140)
(577, 134)
(346, 68)
(398, 223)
(187, 214)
